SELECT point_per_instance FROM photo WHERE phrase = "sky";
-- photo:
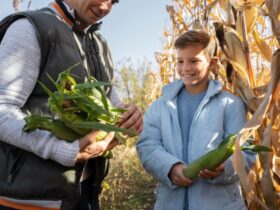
(133, 29)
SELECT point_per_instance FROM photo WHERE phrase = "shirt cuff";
(66, 152)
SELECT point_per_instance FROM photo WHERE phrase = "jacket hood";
(170, 91)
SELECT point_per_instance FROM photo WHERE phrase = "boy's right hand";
(177, 177)
(90, 148)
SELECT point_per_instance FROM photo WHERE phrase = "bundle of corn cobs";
(77, 110)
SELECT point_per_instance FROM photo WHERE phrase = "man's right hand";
(177, 177)
(90, 148)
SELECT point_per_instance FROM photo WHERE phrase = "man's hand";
(177, 177)
(207, 174)
(90, 148)
(132, 118)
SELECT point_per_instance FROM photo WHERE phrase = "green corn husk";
(55, 126)
(214, 158)
(87, 108)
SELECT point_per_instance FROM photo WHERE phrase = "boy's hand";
(90, 148)
(177, 177)
(132, 118)
(207, 174)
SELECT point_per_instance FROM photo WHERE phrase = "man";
(33, 45)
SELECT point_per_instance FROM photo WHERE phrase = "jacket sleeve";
(19, 70)
(234, 120)
(153, 156)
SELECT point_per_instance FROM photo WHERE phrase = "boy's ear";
(214, 60)
(214, 65)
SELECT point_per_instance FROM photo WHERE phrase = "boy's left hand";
(208, 174)
(132, 118)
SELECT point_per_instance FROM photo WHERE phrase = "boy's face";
(192, 67)
(91, 11)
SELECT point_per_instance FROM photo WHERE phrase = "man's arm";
(19, 70)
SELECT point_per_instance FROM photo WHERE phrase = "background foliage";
(248, 36)
(130, 187)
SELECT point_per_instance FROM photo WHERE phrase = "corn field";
(247, 33)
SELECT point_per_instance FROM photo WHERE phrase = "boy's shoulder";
(229, 98)
(170, 90)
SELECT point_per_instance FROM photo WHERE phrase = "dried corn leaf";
(266, 179)
(239, 166)
(242, 73)
(209, 7)
(196, 25)
(170, 10)
(263, 46)
(251, 15)
(223, 4)
(259, 115)
(235, 49)
(274, 13)
(256, 121)
(276, 165)
(243, 4)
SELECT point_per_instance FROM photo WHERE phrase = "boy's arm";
(234, 120)
(153, 156)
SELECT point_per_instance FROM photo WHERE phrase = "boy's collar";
(171, 90)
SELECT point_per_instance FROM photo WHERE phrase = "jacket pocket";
(233, 192)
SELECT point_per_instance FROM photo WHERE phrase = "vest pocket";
(10, 160)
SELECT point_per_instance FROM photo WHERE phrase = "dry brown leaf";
(258, 116)
(235, 49)
(196, 25)
(239, 166)
(276, 165)
(16, 5)
(241, 72)
(273, 7)
(223, 4)
(243, 4)
(170, 10)
(209, 7)
(266, 179)
(263, 46)
(251, 16)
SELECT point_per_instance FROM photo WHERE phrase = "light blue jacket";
(160, 147)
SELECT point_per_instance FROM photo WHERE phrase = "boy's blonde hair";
(197, 38)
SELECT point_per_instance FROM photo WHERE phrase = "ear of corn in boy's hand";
(214, 158)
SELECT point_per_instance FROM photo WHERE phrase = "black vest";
(59, 51)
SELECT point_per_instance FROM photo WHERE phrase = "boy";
(191, 118)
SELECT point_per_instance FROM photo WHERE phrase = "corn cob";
(78, 109)
(55, 126)
(214, 158)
